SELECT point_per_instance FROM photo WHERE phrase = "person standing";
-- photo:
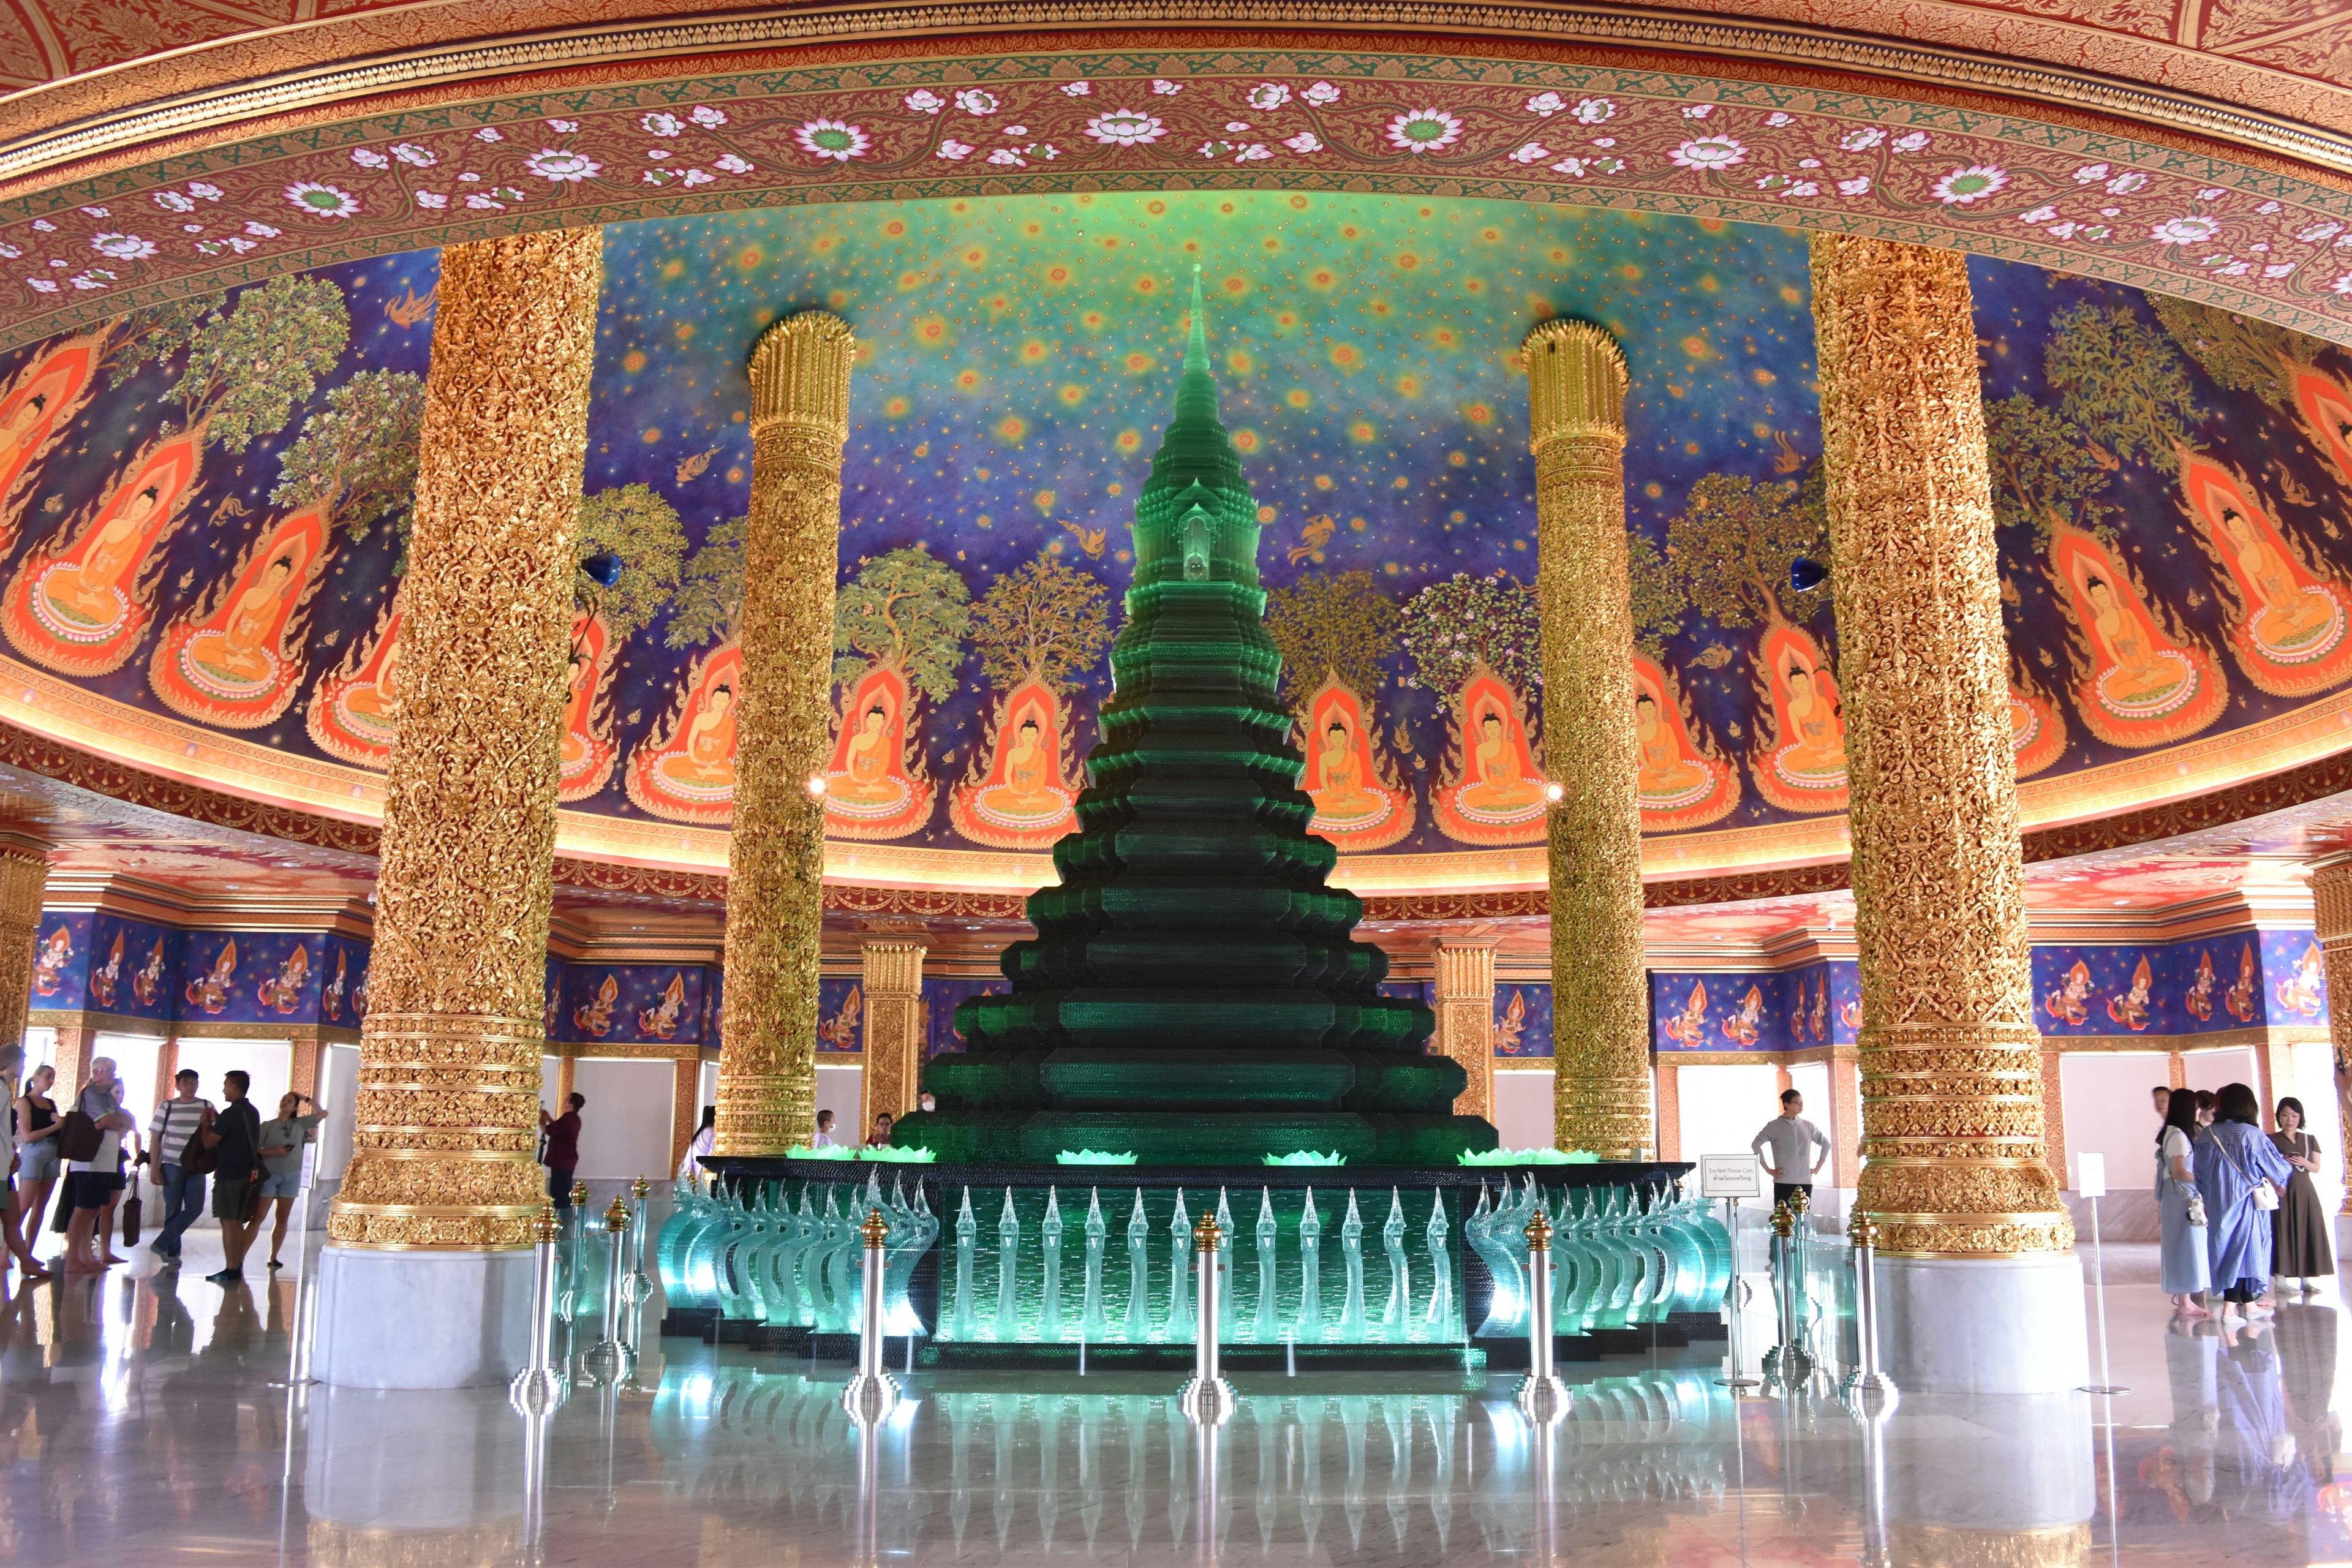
(176, 1122)
(12, 1064)
(2183, 1268)
(281, 1161)
(2299, 1249)
(823, 1138)
(881, 1138)
(36, 1126)
(234, 1136)
(705, 1137)
(562, 1156)
(2234, 1165)
(2161, 1097)
(1796, 1145)
(95, 1184)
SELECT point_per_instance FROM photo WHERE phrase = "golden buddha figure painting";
(1019, 795)
(1356, 805)
(687, 773)
(353, 714)
(2289, 627)
(870, 791)
(2135, 686)
(1679, 785)
(230, 659)
(1499, 795)
(1800, 765)
(80, 608)
(585, 756)
(37, 405)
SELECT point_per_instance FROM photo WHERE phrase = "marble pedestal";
(421, 1319)
(1983, 1325)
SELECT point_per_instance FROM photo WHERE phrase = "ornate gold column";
(1601, 1003)
(24, 875)
(448, 1120)
(1951, 1061)
(893, 1038)
(1463, 1000)
(775, 890)
(2331, 908)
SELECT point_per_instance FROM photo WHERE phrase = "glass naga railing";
(1621, 1256)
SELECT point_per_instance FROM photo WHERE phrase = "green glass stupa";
(1193, 996)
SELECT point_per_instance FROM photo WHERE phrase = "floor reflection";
(160, 1418)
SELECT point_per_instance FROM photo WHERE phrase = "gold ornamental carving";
(1920, 1546)
(775, 890)
(893, 1041)
(23, 874)
(1463, 1000)
(1951, 1061)
(447, 1116)
(2331, 902)
(1576, 399)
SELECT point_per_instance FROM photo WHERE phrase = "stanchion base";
(869, 1396)
(1542, 1400)
(607, 1361)
(1206, 1402)
(1738, 1384)
(2099, 1388)
(1787, 1365)
(1870, 1396)
(535, 1392)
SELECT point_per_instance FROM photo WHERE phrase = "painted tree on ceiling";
(1038, 628)
(1336, 635)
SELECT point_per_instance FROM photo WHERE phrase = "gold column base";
(761, 1113)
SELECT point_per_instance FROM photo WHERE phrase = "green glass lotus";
(1193, 992)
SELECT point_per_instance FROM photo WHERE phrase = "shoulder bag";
(2265, 1196)
(78, 1135)
(195, 1160)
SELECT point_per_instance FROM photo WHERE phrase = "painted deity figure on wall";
(2070, 1003)
(282, 992)
(211, 990)
(1821, 1011)
(147, 985)
(1800, 765)
(1512, 1024)
(685, 772)
(107, 975)
(593, 1017)
(36, 407)
(1740, 1029)
(1800, 1016)
(50, 960)
(2199, 998)
(2241, 998)
(2037, 734)
(2131, 1008)
(1019, 794)
(1688, 1027)
(587, 751)
(233, 661)
(873, 788)
(660, 1021)
(331, 997)
(1680, 778)
(2304, 992)
(2289, 625)
(356, 708)
(1498, 795)
(2135, 685)
(1358, 806)
(81, 606)
(840, 1032)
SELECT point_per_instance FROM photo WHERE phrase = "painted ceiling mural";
(203, 508)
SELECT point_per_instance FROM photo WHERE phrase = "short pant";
(228, 1197)
(288, 1185)
(95, 1189)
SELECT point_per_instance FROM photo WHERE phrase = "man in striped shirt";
(176, 1121)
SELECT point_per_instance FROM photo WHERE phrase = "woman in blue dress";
(2183, 1259)
(2234, 1161)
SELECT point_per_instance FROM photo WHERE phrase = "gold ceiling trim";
(1751, 41)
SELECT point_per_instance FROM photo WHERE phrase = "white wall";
(1523, 1109)
(1723, 1107)
(339, 1096)
(837, 1089)
(269, 1064)
(2104, 1100)
(2212, 1069)
(625, 1129)
(2313, 1067)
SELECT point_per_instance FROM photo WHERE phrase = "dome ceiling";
(2172, 496)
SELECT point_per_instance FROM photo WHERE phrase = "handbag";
(195, 1160)
(131, 1216)
(253, 1199)
(77, 1136)
(2265, 1196)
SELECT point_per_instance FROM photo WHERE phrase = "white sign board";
(1730, 1176)
(2091, 1176)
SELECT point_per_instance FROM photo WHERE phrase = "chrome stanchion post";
(1541, 1397)
(1868, 1392)
(609, 1358)
(1206, 1397)
(1735, 1297)
(539, 1386)
(639, 1287)
(870, 1394)
(2091, 1183)
(1786, 1362)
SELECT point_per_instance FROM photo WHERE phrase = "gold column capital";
(448, 1120)
(1954, 1145)
(800, 374)
(1601, 1090)
(892, 1040)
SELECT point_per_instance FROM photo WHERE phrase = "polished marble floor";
(153, 1419)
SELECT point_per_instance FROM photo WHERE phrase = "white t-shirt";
(2177, 1147)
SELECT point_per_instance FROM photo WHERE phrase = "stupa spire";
(1196, 343)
